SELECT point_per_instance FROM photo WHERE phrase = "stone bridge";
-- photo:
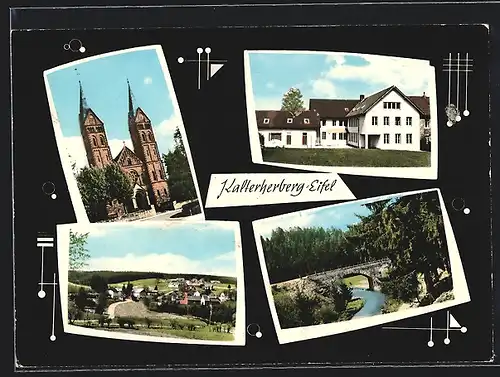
(373, 271)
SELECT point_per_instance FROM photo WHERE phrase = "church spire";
(83, 101)
(130, 101)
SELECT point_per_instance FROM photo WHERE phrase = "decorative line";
(199, 70)
(53, 336)
(420, 328)
(458, 81)
(466, 80)
(41, 273)
(208, 65)
(204, 61)
(430, 335)
(449, 81)
(447, 324)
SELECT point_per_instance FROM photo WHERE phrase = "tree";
(93, 188)
(98, 283)
(293, 102)
(81, 299)
(78, 254)
(118, 183)
(180, 179)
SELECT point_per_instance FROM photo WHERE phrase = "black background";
(219, 109)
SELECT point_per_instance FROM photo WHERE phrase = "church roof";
(126, 153)
(141, 117)
(91, 118)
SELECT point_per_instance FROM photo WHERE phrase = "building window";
(323, 135)
(304, 138)
(266, 120)
(288, 139)
(386, 139)
(289, 120)
(149, 136)
(408, 138)
(374, 121)
(398, 121)
(103, 142)
(427, 124)
(397, 139)
(323, 122)
(306, 121)
(392, 105)
(161, 174)
(94, 141)
(147, 152)
(129, 161)
(386, 121)
(154, 175)
(165, 191)
(408, 121)
(334, 136)
(158, 192)
(143, 137)
(275, 136)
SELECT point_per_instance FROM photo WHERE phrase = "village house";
(387, 119)
(281, 129)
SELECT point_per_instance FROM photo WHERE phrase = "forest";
(408, 230)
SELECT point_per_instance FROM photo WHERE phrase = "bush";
(286, 308)
(404, 288)
(128, 322)
(326, 314)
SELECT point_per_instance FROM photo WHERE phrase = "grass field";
(347, 157)
(163, 285)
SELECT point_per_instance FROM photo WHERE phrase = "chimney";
(423, 95)
(361, 97)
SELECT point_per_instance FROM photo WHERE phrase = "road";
(112, 308)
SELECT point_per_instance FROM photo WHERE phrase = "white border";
(460, 288)
(396, 172)
(63, 263)
(80, 213)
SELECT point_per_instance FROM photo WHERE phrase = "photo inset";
(342, 112)
(121, 138)
(348, 266)
(175, 282)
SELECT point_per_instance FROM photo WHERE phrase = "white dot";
(463, 329)
(180, 60)
(53, 196)
(52, 337)
(466, 211)
(447, 341)
(458, 118)
(466, 113)
(208, 50)
(430, 343)
(82, 49)
(199, 50)
(258, 334)
(41, 294)
(449, 123)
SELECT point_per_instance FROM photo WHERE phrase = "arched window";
(147, 153)
(154, 175)
(149, 136)
(158, 192)
(94, 141)
(143, 137)
(161, 174)
(129, 161)
(103, 142)
(165, 191)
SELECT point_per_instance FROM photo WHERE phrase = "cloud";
(167, 127)
(160, 263)
(323, 88)
(75, 149)
(410, 75)
(300, 219)
(148, 80)
(230, 256)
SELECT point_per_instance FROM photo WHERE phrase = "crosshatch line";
(47, 283)
(457, 70)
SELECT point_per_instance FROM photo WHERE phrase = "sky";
(176, 248)
(336, 216)
(333, 76)
(104, 82)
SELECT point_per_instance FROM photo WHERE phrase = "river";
(374, 301)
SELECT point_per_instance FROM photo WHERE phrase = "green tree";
(293, 101)
(118, 183)
(81, 299)
(180, 179)
(93, 188)
(78, 254)
(98, 283)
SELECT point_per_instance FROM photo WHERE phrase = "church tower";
(146, 148)
(94, 135)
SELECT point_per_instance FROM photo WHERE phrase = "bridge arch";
(371, 279)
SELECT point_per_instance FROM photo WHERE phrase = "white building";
(281, 129)
(385, 120)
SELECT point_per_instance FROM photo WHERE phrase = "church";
(143, 165)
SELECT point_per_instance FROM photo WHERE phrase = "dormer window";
(289, 120)
(346, 109)
(306, 121)
(266, 120)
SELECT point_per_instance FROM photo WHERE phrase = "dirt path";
(112, 308)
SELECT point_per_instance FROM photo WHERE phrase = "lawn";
(356, 281)
(347, 157)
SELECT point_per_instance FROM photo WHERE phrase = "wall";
(296, 135)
